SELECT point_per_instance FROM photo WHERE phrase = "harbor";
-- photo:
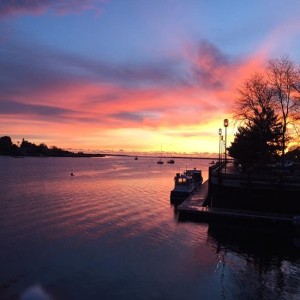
(112, 225)
(214, 201)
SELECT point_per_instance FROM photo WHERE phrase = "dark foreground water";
(109, 232)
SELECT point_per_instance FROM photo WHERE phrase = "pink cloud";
(214, 78)
(110, 97)
(219, 76)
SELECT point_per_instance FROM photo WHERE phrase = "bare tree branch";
(284, 78)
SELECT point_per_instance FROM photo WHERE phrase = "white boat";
(184, 186)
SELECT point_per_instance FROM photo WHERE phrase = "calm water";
(110, 232)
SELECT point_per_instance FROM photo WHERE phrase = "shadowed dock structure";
(214, 200)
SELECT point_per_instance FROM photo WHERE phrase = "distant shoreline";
(59, 155)
(90, 155)
(159, 156)
(28, 149)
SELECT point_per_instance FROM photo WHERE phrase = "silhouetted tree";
(278, 91)
(255, 98)
(43, 149)
(294, 154)
(28, 148)
(31, 149)
(5, 145)
(54, 151)
(284, 78)
(256, 143)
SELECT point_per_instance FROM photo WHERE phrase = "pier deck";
(196, 200)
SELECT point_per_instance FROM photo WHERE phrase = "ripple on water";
(112, 225)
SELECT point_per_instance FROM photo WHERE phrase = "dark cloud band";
(13, 107)
(15, 7)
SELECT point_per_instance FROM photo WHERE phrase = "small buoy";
(72, 174)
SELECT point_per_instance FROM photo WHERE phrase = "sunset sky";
(137, 75)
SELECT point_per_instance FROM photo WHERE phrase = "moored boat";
(171, 161)
(196, 175)
(160, 161)
(184, 186)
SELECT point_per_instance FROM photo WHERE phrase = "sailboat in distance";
(160, 161)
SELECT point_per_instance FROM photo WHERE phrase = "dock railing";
(216, 168)
(256, 177)
(264, 189)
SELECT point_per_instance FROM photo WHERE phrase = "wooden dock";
(192, 209)
(196, 200)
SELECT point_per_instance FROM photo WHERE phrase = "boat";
(196, 175)
(184, 186)
(160, 161)
(171, 161)
(136, 158)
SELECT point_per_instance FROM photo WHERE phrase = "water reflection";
(256, 263)
(112, 226)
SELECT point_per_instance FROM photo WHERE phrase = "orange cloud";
(180, 104)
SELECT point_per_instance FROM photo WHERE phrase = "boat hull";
(176, 197)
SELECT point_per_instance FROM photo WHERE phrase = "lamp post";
(225, 125)
(220, 141)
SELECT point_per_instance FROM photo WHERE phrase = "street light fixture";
(225, 125)
(225, 122)
(220, 141)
